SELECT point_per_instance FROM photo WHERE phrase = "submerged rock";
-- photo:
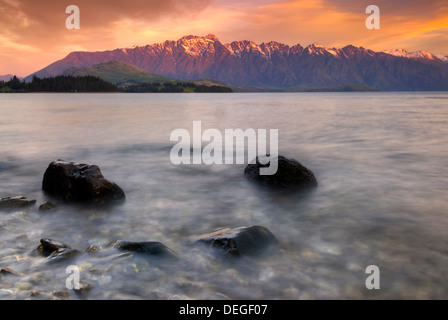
(152, 248)
(83, 289)
(47, 206)
(62, 254)
(290, 174)
(55, 250)
(248, 240)
(47, 295)
(79, 182)
(10, 271)
(15, 202)
(48, 246)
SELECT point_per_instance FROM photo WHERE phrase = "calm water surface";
(380, 159)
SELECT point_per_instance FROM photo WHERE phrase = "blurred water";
(380, 159)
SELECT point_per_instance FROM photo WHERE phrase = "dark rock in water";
(290, 174)
(48, 246)
(149, 247)
(55, 250)
(47, 206)
(15, 202)
(249, 240)
(82, 183)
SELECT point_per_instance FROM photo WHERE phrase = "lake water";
(380, 160)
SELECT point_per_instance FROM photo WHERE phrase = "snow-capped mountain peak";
(412, 55)
(318, 49)
(442, 56)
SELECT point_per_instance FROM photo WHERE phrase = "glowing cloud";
(30, 27)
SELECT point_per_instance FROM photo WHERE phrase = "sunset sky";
(33, 32)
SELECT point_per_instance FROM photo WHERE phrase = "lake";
(380, 160)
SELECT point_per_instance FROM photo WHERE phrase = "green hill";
(130, 78)
(117, 72)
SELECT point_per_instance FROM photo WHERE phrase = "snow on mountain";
(442, 56)
(412, 55)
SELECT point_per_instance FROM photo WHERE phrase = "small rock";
(56, 251)
(15, 202)
(62, 254)
(41, 295)
(61, 294)
(47, 206)
(10, 271)
(83, 289)
(290, 174)
(48, 246)
(109, 253)
(80, 183)
(92, 249)
(150, 247)
(24, 285)
(249, 240)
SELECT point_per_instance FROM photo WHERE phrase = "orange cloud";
(33, 33)
(39, 26)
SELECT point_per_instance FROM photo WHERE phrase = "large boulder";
(79, 182)
(247, 240)
(290, 174)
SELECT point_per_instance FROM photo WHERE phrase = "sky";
(33, 33)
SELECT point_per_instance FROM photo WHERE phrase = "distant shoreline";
(94, 84)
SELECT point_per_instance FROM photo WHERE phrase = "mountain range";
(271, 65)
